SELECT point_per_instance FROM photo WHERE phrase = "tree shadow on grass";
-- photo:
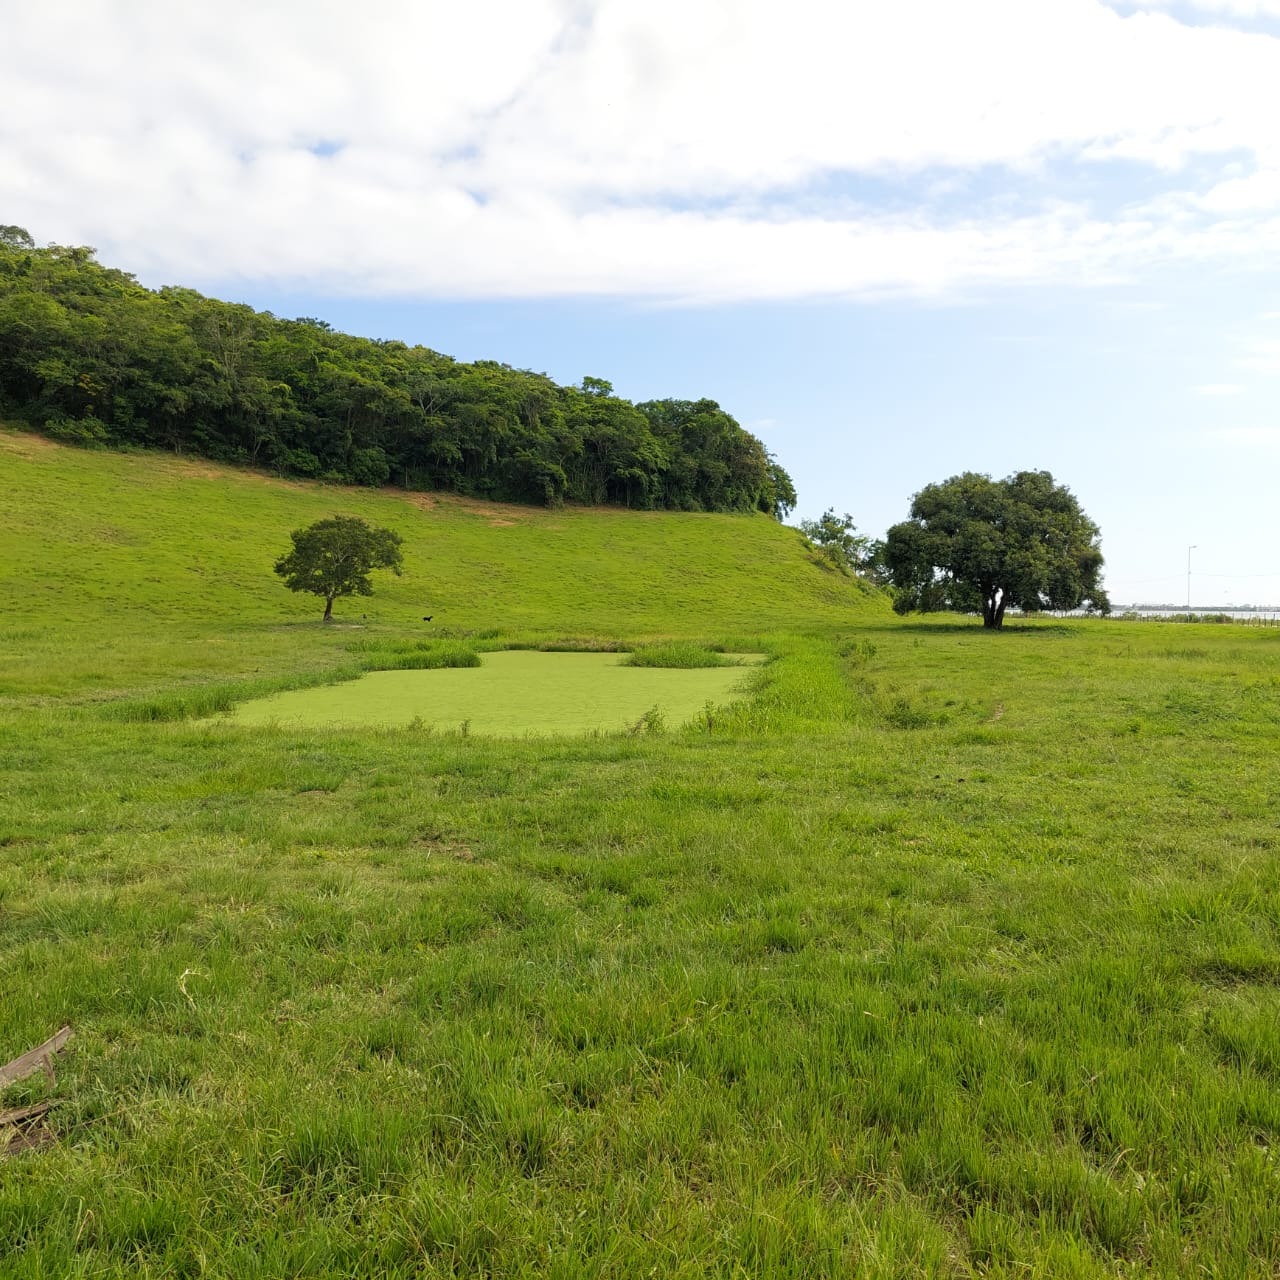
(973, 626)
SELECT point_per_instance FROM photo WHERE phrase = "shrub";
(87, 431)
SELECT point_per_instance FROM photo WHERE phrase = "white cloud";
(521, 147)
(1219, 389)
(1259, 191)
(1219, 8)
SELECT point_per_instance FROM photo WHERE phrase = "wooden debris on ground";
(25, 1128)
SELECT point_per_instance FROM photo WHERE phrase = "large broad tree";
(334, 557)
(975, 544)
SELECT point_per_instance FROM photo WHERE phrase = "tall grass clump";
(676, 654)
(211, 700)
(801, 688)
(450, 654)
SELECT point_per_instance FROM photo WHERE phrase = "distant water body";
(1206, 611)
(1203, 613)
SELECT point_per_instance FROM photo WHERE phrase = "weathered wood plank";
(24, 1115)
(38, 1059)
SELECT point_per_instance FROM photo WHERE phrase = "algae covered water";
(513, 692)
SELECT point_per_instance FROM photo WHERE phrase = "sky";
(896, 239)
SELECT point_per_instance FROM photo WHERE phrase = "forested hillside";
(88, 355)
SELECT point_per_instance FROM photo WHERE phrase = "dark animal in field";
(428, 617)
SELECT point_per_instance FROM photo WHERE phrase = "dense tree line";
(89, 355)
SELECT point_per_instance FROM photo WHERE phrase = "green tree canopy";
(837, 539)
(980, 545)
(334, 557)
(90, 356)
(16, 237)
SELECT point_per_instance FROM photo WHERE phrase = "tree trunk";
(993, 609)
(328, 609)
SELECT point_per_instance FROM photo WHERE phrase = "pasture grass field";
(943, 953)
(127, 571)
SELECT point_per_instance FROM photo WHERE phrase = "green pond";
(514, 692)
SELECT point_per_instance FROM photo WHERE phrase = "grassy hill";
(128, 562)
(945, 953)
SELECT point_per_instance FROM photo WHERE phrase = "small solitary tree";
(980, 545)
(334, 557)
(836, 540)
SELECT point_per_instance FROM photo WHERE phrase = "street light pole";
(1189, 551)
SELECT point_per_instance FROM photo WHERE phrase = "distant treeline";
(89, 355)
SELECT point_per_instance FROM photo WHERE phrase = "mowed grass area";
(512, 693)
(942, 954)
